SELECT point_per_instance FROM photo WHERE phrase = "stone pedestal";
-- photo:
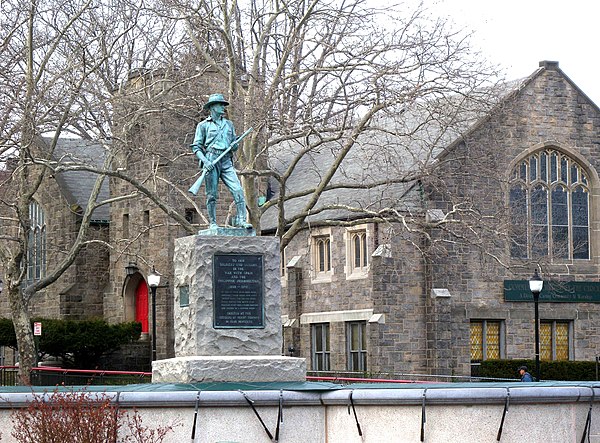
(227, 313)
(229, 369)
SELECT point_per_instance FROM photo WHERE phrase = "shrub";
(80, 417)
(79, 343)
(549, 370)
(7, 333)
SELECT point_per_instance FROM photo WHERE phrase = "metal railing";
(367, 377)
(9, 375)
(49, 376)
(345, 380)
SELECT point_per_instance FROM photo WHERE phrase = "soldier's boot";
(211, 208)
(240, 217)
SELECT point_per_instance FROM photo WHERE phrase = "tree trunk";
(249, 185)
(25, 341)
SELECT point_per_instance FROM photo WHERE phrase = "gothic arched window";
(549, 201)
(36, 251)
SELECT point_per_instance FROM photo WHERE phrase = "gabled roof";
(397, 149)
(77, 185)
(515, 88)
(366, 163)
(414, 137)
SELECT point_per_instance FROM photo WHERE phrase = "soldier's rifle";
(196, 186)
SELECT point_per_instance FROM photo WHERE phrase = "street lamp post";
(535, 286)
(153, 282)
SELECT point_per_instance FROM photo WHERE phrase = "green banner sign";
(554, 291)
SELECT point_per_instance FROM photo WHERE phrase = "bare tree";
(336, 83)
(342, 96)
(59, 63)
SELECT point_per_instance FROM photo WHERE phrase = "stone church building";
(529, 171)
(523, 181)
(518, 190)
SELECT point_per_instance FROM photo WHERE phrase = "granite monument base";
(227, 312)
(227, 296)
(250, 368)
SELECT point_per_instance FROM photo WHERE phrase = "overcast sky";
(518, 34)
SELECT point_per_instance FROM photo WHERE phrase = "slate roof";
(515, 87)
(400, 143)
(77, 185)
(366, 162)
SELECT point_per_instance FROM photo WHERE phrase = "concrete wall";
(537, 412)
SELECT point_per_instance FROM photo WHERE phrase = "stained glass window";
(518, 204)
(562, 341)
(554, 340)
(476, 340)
(486, 339)
(549, 201)
(492, 340)
(546, 341)
(36, 248)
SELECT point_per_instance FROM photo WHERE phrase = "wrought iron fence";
(50, 376)
(8, 375)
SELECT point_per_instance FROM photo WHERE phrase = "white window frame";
(283, 272)
(314, 239)
(352, 271)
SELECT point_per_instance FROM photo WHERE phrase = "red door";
(141, 305)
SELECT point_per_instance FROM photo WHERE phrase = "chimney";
(551, 66)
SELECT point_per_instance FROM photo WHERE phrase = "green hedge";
(78, 343)
(549, 370)
(7, 333)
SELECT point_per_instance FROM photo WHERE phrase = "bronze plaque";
(238, 291)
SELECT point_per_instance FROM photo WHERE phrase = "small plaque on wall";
(184, 296)
(238, 291)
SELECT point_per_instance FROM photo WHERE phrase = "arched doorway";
(141, 305)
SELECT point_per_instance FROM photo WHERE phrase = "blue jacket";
(526, 377)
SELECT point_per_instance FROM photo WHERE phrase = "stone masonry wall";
(77, 294)
(339, 294)
(394, 286)
(548, 112)
(399, 345)
(143, 234)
